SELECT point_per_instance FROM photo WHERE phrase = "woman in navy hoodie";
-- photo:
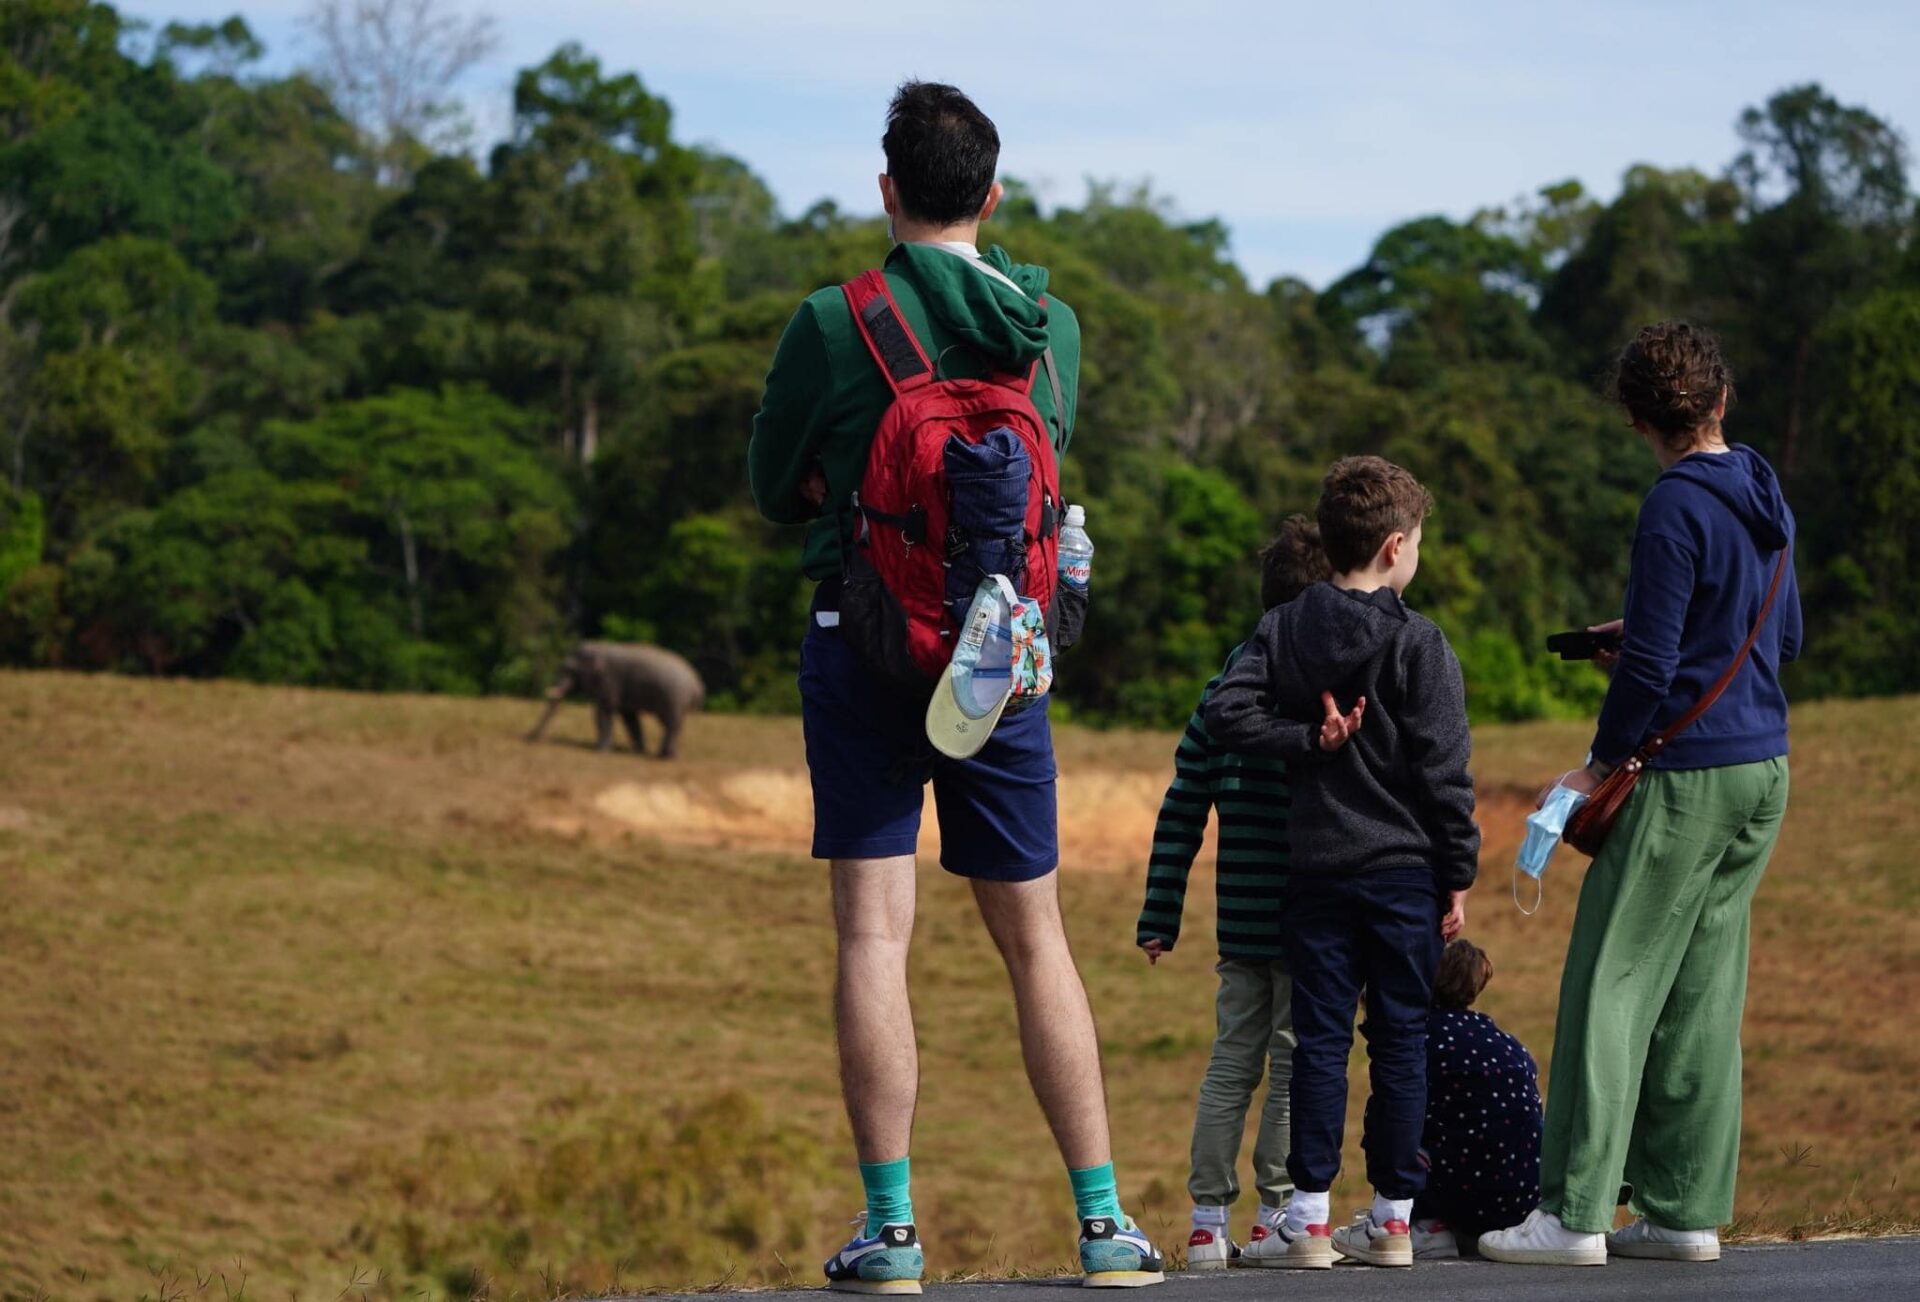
(1645, 1084)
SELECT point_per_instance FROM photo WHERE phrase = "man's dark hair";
(1362, 501)
(942, 152)
(1293, 562)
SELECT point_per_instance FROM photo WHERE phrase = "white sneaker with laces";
(1375, 1243)
(1433, 1241)
(1273, 1246)
(1541, 1240)
(1658, 1243)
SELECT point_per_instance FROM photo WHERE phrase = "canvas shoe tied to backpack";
(1002, 660)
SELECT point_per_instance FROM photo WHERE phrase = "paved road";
(1881, 1269)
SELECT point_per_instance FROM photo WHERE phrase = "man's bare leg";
(1057, 1036)
(873, 1020)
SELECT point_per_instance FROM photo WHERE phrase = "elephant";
(628, 680)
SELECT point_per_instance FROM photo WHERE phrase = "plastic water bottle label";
(1076, 571)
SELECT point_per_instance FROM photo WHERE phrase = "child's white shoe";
(1541, 1240)
(1657, 1243)
(1272, 1246)
(1211, 1249)
(1433, 1241)
(1375, 1243)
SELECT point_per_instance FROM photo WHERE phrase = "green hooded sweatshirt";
(825, 394)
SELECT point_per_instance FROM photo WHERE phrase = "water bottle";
(1076, 550)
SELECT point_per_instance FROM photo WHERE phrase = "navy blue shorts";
(869, 758)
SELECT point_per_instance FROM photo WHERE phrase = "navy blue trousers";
(1378, 932)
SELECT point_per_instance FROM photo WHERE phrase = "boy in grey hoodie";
(1384, 842)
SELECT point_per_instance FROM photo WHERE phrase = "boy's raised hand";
(1338, 727)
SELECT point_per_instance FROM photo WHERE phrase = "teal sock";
(1095, 1192)
(889, 1200)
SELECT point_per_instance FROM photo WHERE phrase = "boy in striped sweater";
(1254, 1007)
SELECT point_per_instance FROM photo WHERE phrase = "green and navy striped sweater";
(1250, 796)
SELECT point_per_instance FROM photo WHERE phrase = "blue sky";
(1309, 129)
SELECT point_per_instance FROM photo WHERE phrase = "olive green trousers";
(1254, 1015)
(1645, 1084)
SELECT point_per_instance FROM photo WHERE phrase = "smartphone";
(1582, 645)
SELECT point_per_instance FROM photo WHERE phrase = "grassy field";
(309, 993)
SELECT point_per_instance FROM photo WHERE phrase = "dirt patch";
(1106, 815)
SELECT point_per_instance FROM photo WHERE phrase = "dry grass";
(334, 992)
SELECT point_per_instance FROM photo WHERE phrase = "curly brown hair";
(1292, 562)
(1464, 972)
(1670, 378)
(1363, 500)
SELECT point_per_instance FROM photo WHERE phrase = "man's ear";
(995, 193)
(886, 194)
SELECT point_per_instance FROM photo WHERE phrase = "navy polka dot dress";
(1482, 1139)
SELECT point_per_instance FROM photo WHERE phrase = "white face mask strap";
(1539, 894)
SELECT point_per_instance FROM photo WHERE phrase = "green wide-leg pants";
(1645, 1083)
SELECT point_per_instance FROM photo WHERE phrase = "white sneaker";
(1658, 1243)
(1210, 1249)
(1541, 1240)
(1271, 1246)
(1374, 1243)
(1433, 1241)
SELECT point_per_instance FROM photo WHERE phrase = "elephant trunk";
(555, 695)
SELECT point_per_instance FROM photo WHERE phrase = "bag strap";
(1705, 703)
(879, 320)
(1059, 403)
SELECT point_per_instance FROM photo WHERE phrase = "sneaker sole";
(896, 1287)
(1666, 1251)
(1123, 1279)
(1289, 1263)
(1543, 1256)
(1210, 1263)
(1374, 1258)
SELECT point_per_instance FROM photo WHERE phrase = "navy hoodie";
(1710, 534)
(1398, 795)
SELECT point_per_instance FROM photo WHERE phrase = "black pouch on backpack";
(1067, 616)
(874, 624)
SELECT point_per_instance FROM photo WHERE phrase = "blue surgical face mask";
(1544, 826)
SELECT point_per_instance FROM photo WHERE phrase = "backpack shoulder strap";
(1062, 435)
(879, 320)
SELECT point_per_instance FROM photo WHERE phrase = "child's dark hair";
(1464, 972)
(1292, 562)
(1362, 501)
(1670, 378)
(941, 152)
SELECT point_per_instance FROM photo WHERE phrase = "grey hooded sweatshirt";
(1398, 794)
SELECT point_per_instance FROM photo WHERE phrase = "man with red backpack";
(949, 362)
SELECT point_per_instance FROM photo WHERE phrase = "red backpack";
(897, 601)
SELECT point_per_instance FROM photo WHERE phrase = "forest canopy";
(294, 392)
